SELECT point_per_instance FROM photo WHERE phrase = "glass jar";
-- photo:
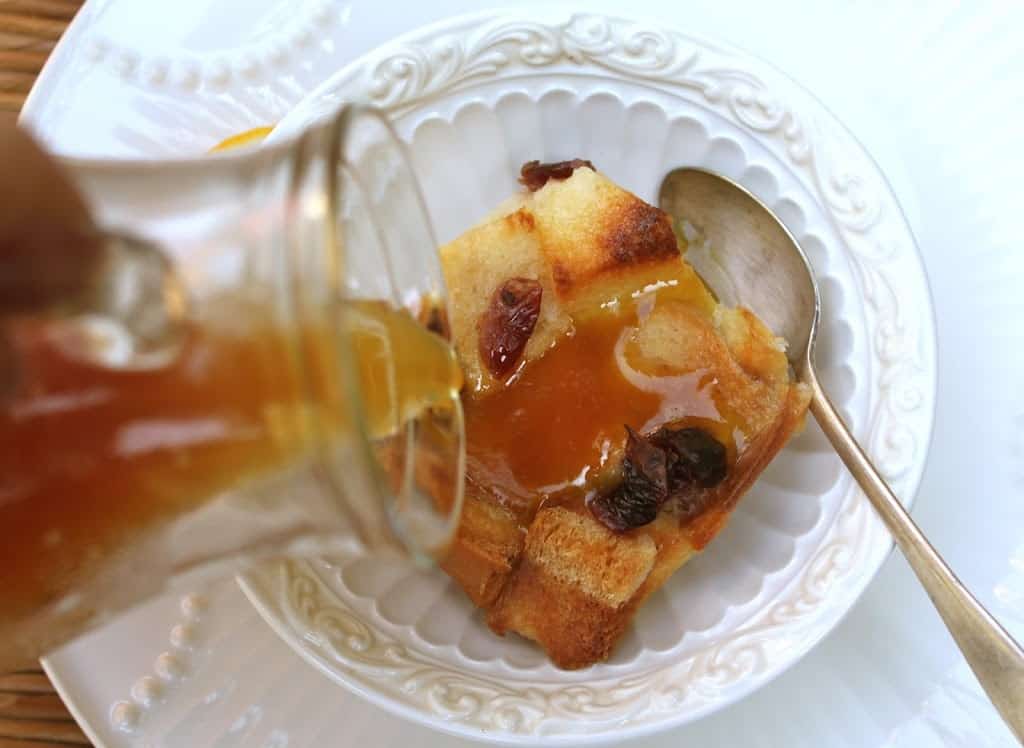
(256, 365)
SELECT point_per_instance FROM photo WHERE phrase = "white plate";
(239, 686)
(474, 98)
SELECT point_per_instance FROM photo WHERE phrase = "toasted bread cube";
(484, 551)
(475, 265)
(574, 578)
(598, 237)
(559, 576)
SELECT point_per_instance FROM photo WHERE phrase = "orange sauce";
(557, 426)
(90, 455)
(556, 423)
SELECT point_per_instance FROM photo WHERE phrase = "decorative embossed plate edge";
(460, 53)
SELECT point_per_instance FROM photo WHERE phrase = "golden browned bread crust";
(594, 232)
(575, 581)
(575, 591)
(485, 549)
(552, 572)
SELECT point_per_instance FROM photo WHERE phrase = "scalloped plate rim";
(544, 17)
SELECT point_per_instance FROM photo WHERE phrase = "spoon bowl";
(746, 255)
(749, 258)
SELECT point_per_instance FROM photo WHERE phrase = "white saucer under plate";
(203, 670)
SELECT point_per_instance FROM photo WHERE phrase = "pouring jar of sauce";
(252, 363)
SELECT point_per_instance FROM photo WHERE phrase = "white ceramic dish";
(231, 683)
(475, 98)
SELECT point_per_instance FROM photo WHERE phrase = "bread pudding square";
(615, 411)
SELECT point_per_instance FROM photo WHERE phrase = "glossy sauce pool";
(556, 430)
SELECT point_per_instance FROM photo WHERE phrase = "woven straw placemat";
(29, 29)
(31, 713)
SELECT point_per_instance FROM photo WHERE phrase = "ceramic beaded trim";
(361, 651)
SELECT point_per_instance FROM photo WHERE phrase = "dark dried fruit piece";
(694, 456)
(621, 510)
(690, 501)
(505, 327)
(672, 464)
(645, 469)
(534, 175)
(644, 488)
(434, 317)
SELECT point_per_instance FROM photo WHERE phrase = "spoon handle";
(996, 659)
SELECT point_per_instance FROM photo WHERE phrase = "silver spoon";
(755, 261)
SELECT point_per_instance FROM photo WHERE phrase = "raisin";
(693, 457)
(645, 469)
(435, 318)
(690, 501)
(644, 488)
(672, 464)
(621, 510)
(534, 175)
(506, 325)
